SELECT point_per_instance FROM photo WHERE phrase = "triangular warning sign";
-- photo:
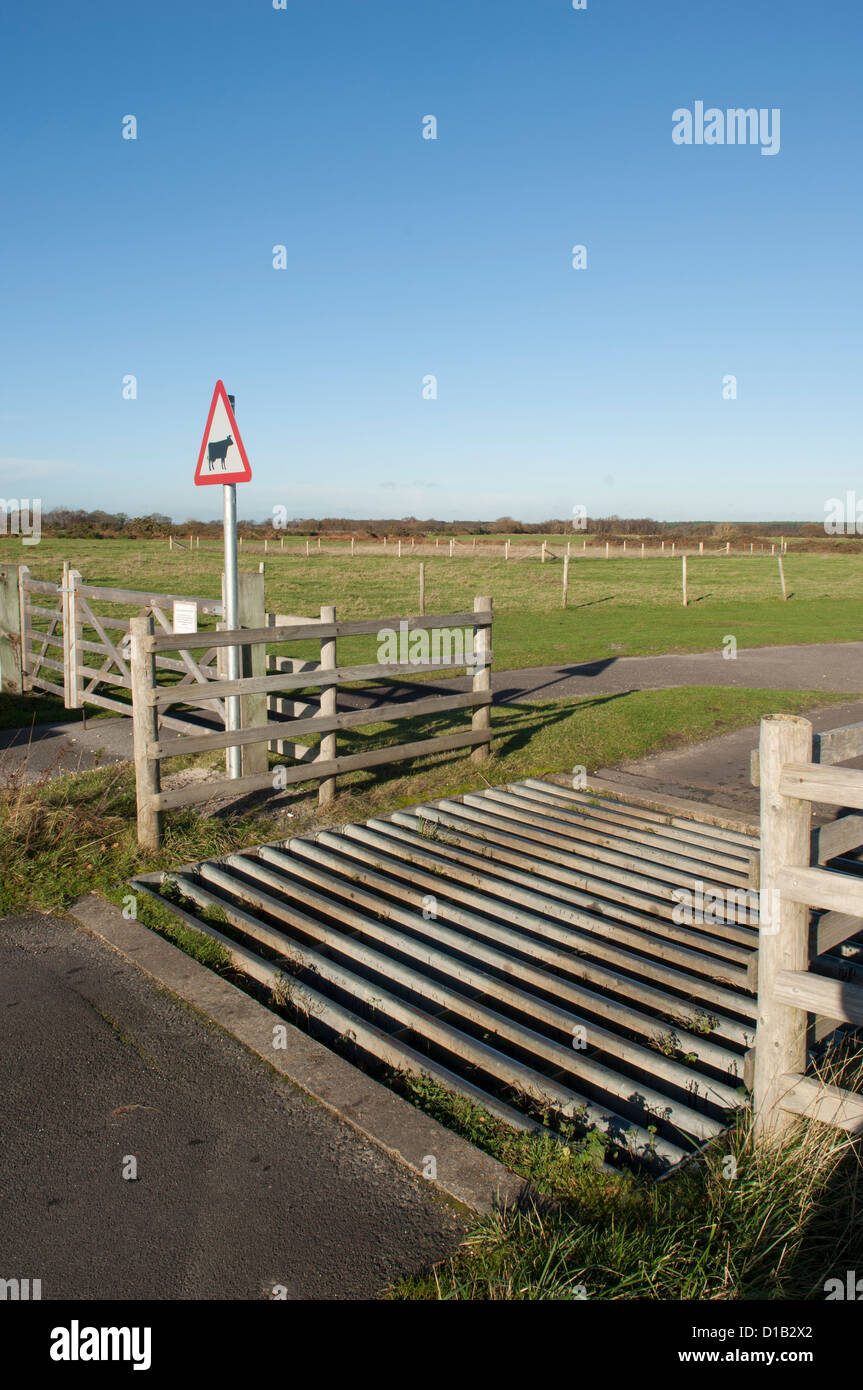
(223, 456)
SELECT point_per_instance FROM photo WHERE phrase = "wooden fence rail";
(789, 990)
(150, 699)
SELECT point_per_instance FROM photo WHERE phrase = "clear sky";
(408, 257)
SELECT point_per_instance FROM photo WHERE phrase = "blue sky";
(408, 257)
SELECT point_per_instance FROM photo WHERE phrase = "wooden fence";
(150, 700)
(795, 978)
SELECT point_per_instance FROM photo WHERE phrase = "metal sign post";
(232, 617)
(223, 460)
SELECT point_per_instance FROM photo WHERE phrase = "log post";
(482, 679)
(422, 588)
(783, 938)
(565, 578)
(329, 704)
(782, 577)
(685, 599)
(145, 728)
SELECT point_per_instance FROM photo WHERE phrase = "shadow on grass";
(512, 731)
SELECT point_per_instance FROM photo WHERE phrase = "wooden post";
(783, 939)
(308, 552)
(751, 547)
(319, 542)
(72, 657)
(482, 679)
(252, 612)
(400, 548)
(266, 545)
(10, 633)
(190, 542)
(606, 550)
(506, 550)
(170, 542)
(542, 553)
(451, 544)
(684, 582)
(329, 704)
(701, 547)
(624, 547)
(25, 630)
(422, 588)
(568, 544)
(565, 578)
(782, 577)
(145, 729)
(727, 547)
(642, 550)
(662, 546)
(352, 545)
(673, 543)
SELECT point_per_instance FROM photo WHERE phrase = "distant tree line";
(69, 522)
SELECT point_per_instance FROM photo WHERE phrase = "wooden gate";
(44, 628)
(92, 634)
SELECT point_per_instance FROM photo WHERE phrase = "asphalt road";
(52, 749)
(242, 1184)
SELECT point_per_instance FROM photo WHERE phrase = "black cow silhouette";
(217, 450)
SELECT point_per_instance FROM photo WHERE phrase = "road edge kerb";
(465, 1174)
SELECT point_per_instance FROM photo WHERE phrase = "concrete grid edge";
(465, 1174)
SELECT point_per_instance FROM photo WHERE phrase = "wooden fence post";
(783, 939)
(782, 577)
(145, 728)
(10, 633)
(329, 704)
(422, 588)
(71, 639)
(482, 679)
(565, 578)
(24, 620)
(252, 612)
(685, 599)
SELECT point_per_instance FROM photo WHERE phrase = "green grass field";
(621, 606)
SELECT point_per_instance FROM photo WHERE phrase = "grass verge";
(741, 1222)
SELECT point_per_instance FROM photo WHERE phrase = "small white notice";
(185, 616)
